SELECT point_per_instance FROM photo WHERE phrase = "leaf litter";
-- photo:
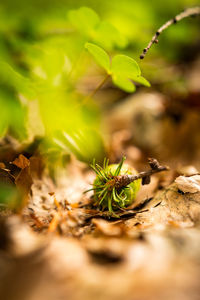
(82, 251)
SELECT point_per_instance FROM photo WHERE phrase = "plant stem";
(96, 89)
(190, 12)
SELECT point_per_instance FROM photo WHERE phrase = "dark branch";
(190, 12)
(123, 180)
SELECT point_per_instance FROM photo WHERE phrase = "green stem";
(96, 89)
(110, 204)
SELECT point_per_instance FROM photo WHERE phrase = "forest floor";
(58, 246)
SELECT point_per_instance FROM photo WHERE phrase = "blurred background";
(46, 75)
(54, 243)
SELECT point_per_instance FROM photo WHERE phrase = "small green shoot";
(122, 69)
(107, 195)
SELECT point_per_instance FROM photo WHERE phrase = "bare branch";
(190, 12)
(124, 180)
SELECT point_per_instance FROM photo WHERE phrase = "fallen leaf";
(24, 182)
(188, 184)
(188, 171)
(37, 166)
(21, 162)
(107, 228)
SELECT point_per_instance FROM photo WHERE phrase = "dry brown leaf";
(187, 171)
(188, 184)
(107, 228)
(21, 162)
(24, 180)
(170, 206)
(37, 166)
(155, 251)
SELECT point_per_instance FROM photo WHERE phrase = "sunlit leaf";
(87, 22)
(123, 83)
(84, 19)
(108, 36)
(85, 143)
(8, 76)
(125, 66)
(142, 80)
(100, 56)
(13, 115)
(124, 69)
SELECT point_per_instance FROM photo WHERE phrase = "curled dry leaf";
(188, 184)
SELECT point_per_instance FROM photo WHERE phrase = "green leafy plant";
(116, 185)
(88, 23)
(107, 193)
(122, 69)
(39, 92)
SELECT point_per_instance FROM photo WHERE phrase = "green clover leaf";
(123, 69)
(123, 83)
(100, 56)
(125, 66)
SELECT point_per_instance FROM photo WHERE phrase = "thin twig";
(123, 180)
(190, 12)
(96, 89)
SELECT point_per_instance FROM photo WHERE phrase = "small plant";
(123, 69)
(40, 94)
(117, 185)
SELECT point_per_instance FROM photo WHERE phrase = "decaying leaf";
(36, 166)
(21, 162)
(142, 248)
(188, 184)
(24, 180)
(107, 228)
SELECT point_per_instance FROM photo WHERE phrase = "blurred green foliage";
(122, 69)
(42, 60)
(10, 197)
